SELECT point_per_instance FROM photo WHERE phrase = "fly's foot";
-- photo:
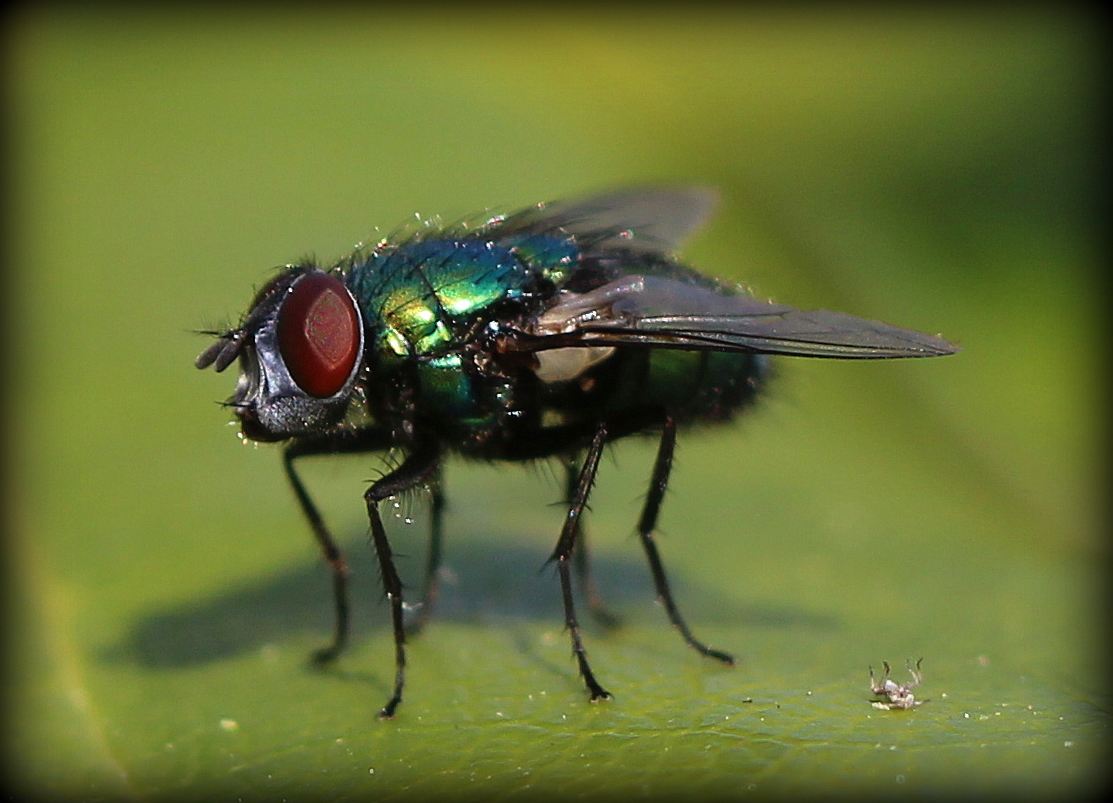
(599, 693)
(725, 658)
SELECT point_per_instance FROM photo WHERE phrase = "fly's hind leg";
(647, 524)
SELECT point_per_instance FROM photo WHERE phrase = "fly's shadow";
(483, 582)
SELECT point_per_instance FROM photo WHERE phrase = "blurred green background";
(934, 169)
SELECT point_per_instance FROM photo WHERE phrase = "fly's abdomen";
(692, 386)
(701, 385)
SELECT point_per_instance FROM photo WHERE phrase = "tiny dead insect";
(545, 334)
(899, 695)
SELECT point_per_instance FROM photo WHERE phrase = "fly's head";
(300, 349)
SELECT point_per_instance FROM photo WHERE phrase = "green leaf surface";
(929, 169)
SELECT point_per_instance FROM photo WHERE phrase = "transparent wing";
(664, 313)
(653, 220)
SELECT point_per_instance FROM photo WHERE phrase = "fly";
(548, 333)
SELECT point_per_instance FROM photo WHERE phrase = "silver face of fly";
(300, 352)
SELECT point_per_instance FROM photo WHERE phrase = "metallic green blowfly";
(543, 334)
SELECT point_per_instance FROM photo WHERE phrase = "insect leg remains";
(647, 524)
(566, 546)
(421, 465)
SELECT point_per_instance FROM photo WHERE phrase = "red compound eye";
(318, 334)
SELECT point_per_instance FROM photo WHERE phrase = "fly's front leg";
(648, 523)
(367, 441)
(418, 468)
(565, 548)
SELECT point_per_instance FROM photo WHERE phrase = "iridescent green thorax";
(420, 298)
(553, 257)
